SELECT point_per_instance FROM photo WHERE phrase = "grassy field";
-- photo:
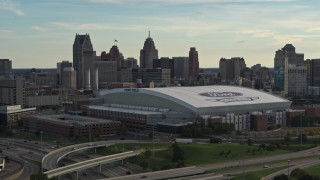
(212, 153)
(118, 148)
(195, 154)
(314, 170)
(257, 174)
(198, 154)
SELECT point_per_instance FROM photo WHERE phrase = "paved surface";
(91, 163)
(285, 170)
(166, 174)
(50, 161)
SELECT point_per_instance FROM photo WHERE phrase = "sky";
(40, 33)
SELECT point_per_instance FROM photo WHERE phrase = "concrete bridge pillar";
(100, 168)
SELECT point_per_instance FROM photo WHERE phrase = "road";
(285, 170)
(91, 163)
(166, 174)
(178, 172)
(50, 161)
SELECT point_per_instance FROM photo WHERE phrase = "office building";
(42, 101)
(148, 54)
(131, 63)
(69, 78)
(230, 69)
(83, 56)
(60, 68)
(181, 67)
(5, 68)
(164, 63)
(12, 91)
(297, 81)
(113, 55)
(193, 63)
(105, 72)
(288, 52)
(159, 76)
(314, 71)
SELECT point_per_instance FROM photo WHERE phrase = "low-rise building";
(71, 125)
(40, 101)
(11, 115)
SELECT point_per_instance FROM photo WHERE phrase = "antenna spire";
(149, 34)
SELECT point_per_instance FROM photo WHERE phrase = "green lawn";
(118, 148)
(257, 174)
(212, 153)
(314, 170)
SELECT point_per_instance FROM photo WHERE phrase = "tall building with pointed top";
(148, 53)
(193, 63)
(82, 58)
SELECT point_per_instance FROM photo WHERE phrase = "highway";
(165, 174)
(285, 170)
(50, 160)
(203, 168)
(91, 163)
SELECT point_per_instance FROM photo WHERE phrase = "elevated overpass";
(50, 160)
(91, 163)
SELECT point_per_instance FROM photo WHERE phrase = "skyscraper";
(5, 67)
(60, 67)
(82, 49)
(148, 53)
(164, 63)
(289, 52)
(230, 69)
(131, 62)
(285, 58)
(193, 63)
(114, 55)
(181, 67)
(68, 78)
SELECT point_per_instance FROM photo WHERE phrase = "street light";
(41, 150)
(243, 154)
(301, 128)
(288, 169)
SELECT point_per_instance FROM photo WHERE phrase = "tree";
(7, 159)
(298, 173)
(215, 140)
(178, 153)
(281, 177)
(147, 154)
(41, 176)
(150, 135)
(287, 138)
(144, 165)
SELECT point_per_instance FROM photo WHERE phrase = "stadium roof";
(199, 97)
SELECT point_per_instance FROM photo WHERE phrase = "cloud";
(8, 5)
(39, 28)
(94, 26)
(182, 1)
(256, 33)
(188, 26)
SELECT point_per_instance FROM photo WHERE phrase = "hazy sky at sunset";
(39, 33)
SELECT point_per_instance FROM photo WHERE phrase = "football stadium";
(170, 107)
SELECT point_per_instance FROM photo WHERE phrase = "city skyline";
(41, 33)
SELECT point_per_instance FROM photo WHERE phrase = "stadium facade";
(171, 107)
